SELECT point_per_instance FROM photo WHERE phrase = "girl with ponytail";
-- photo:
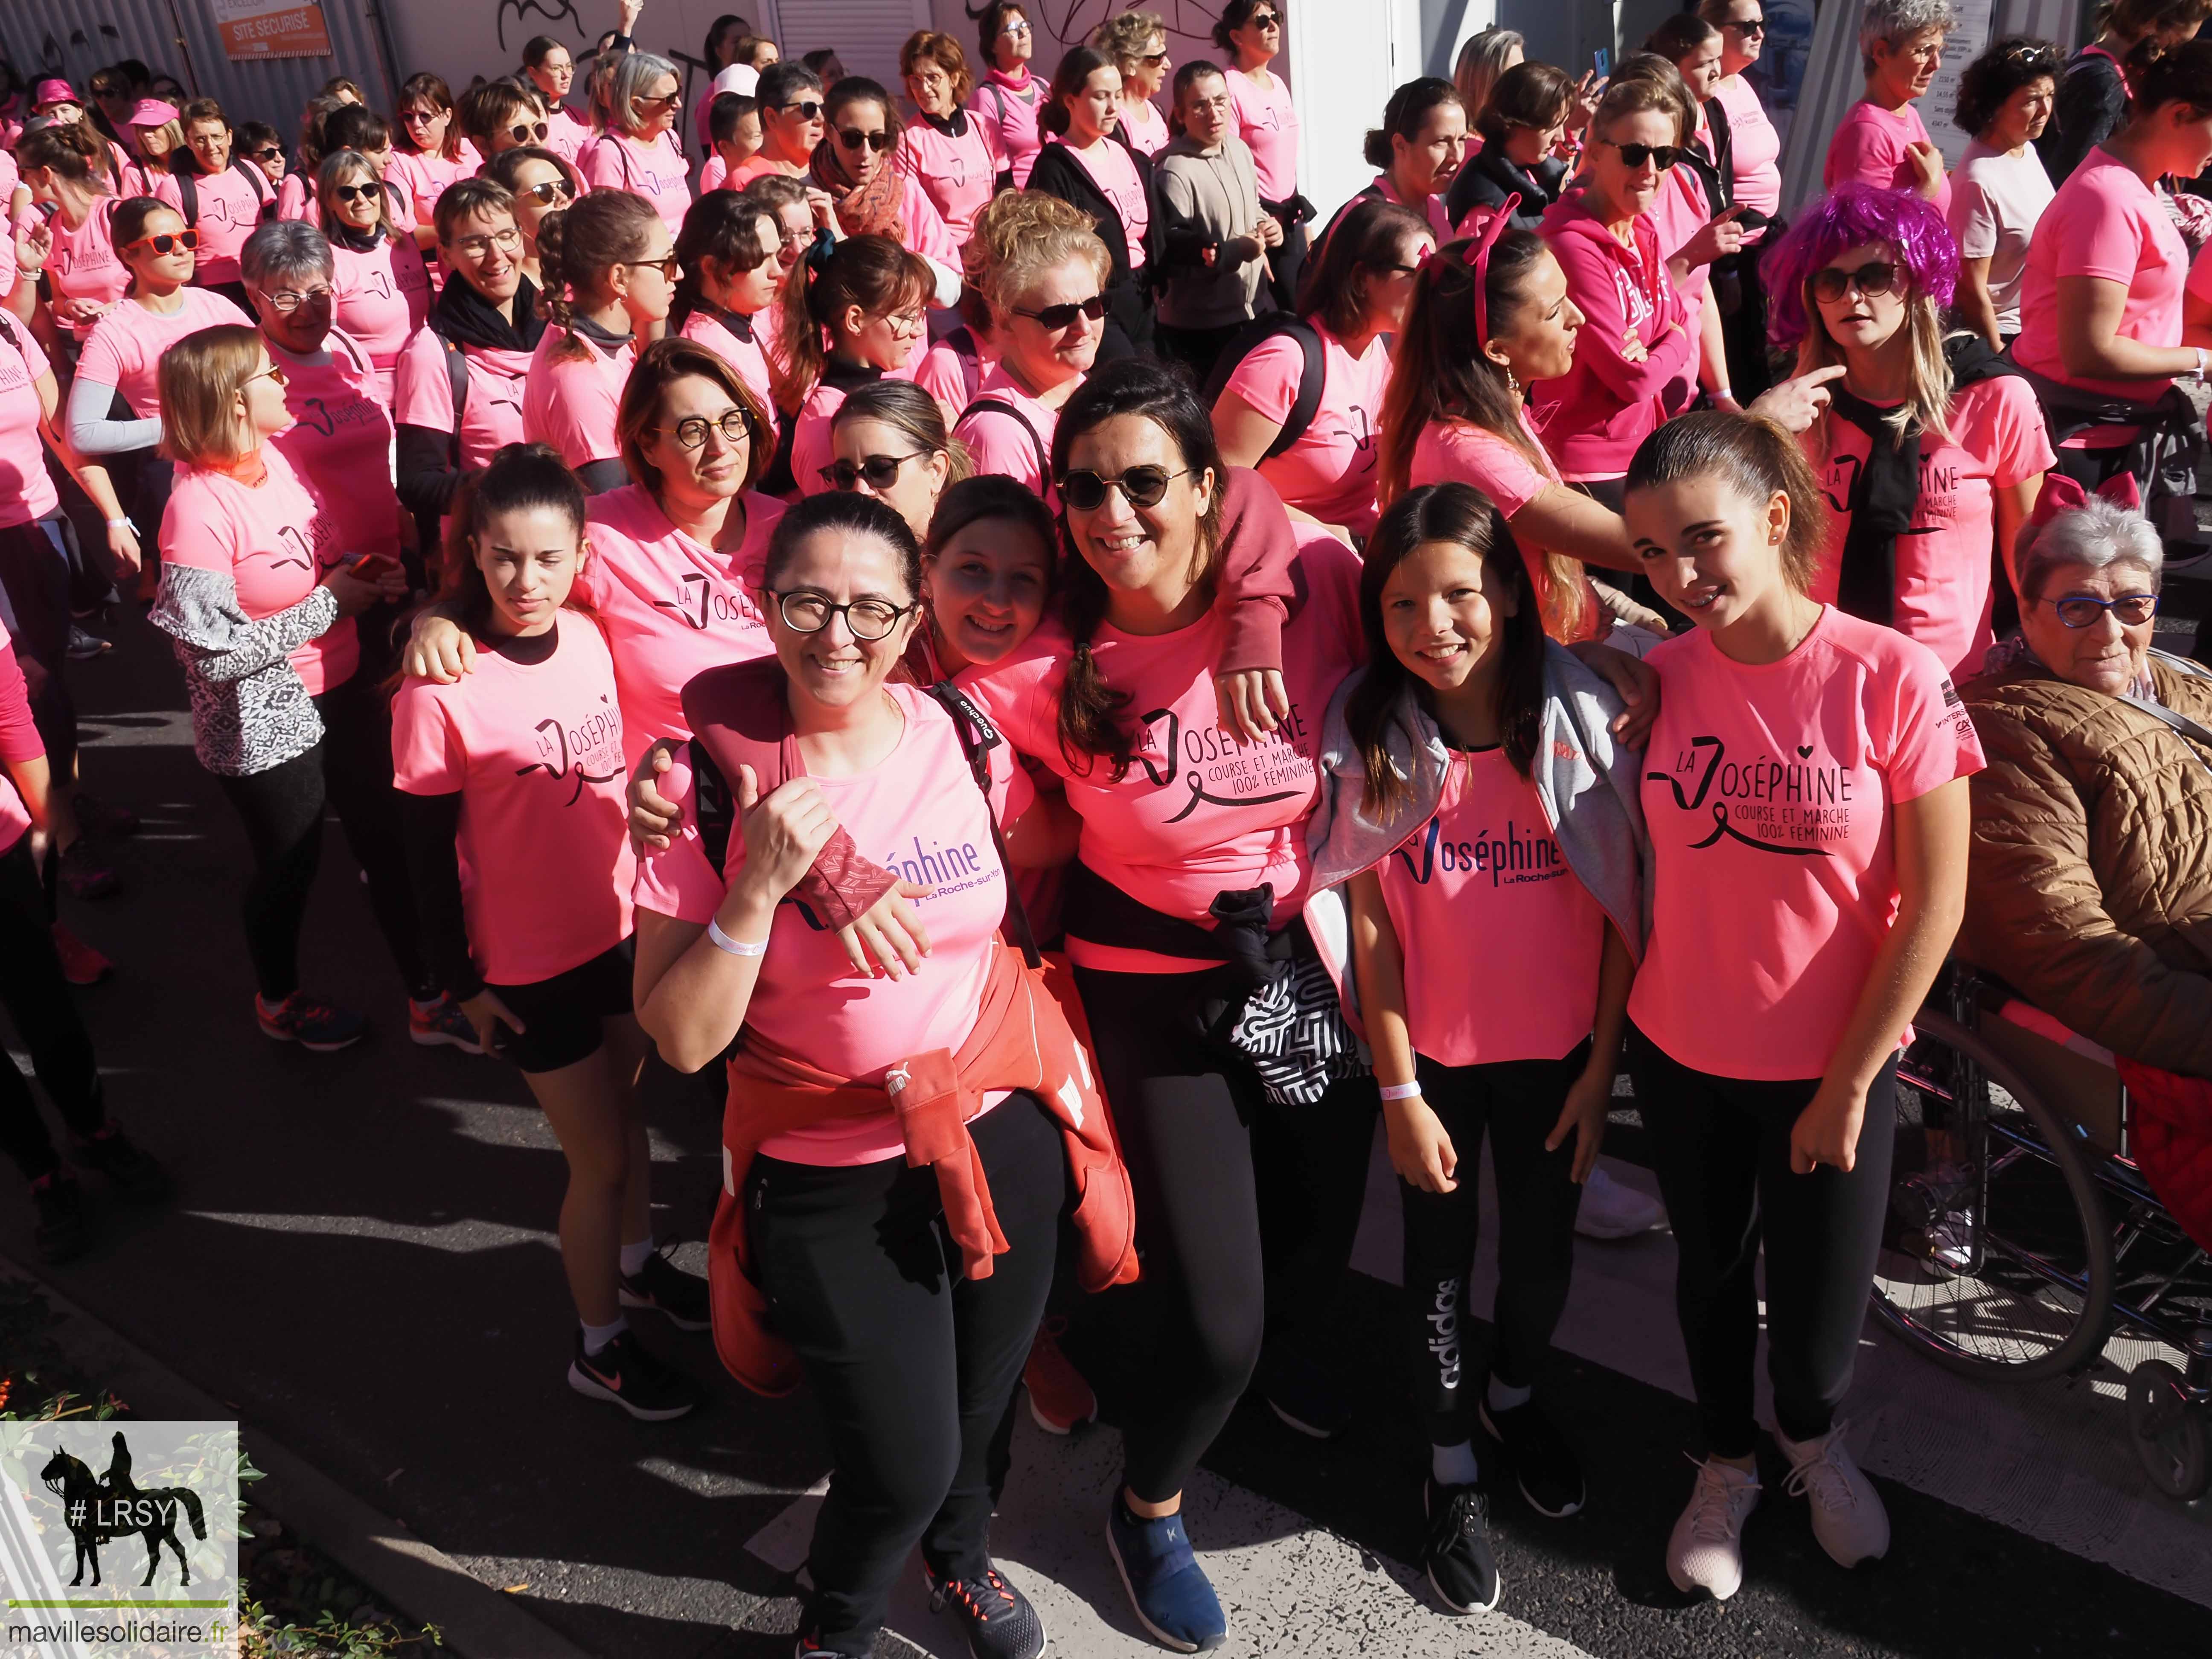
(611, 270)
(853, 313)
(82, 265)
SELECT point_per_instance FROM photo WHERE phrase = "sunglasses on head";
(878, 471)
(1831, 283)
(853, 138)
(1064, 316)
(550, 191)
(1662, 156)
(1141, 486)
(808, 111)
(528, 132)
(186, 239)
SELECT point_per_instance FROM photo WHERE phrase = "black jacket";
(1057, 171)
(1490, 177)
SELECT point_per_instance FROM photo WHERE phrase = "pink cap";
(152, 112)
(54, 92)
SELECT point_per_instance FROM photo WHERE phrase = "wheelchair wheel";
(2000, 1274)
(2170, 1433)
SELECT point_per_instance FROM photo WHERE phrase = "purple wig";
(1850, 216)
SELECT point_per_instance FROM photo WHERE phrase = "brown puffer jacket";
(2089, 889)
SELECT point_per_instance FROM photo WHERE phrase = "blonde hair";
(1927, 402)
(200, 377)
(1123, 38)
(1019, 236)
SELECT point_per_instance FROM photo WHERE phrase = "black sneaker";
(1456, 1555)
(680, 1295)
(1543, 1463)
(1000, 1622)
(61, 1232)
(136, 1175)
(627, 1373)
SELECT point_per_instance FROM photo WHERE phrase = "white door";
(1345, 57)
(867, 34)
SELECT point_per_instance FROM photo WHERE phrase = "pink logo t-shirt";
(83, 265)
(381, 298)
(1767, 793)
(127, 344)
(1268, 122)
(340, 443)
(422, 394)
(656, 171)
(2104, 222)
(27, 489)
(1456, 451)
(230, 211)
(571, 402)
(998, 442)
(1869, 148)
(1008, 109)
(535, 751)
(1483, 871)
(1756, 147)
(959, 174)
(423, 179)
(1330, 470)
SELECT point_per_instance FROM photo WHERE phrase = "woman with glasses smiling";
(856, 166)
(639, 152)
(947, 150)
(1009, 98)
(383, 288)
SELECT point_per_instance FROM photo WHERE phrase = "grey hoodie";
(1587, 784)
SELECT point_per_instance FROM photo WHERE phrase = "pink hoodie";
(1594, 415)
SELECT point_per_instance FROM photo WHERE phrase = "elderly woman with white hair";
(1882, 141)
(2089, 884)
(639, 151)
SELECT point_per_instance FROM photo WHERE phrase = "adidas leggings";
(1210, 1161)
(1721, 1148)
(914, 1365)
(1518, 1103)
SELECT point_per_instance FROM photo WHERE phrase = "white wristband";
(735, 947)
(1400, 1091)
(2200, 364)
(113, 524)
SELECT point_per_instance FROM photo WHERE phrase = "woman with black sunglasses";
(383, 288)
(1251, 33)
(856, 166)
(542, 181)
(499, 116)
(639, 151)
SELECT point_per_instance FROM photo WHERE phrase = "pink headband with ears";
(1478, 257)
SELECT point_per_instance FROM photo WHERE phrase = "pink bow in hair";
(2060, 493)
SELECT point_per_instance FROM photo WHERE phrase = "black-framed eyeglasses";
(853, 138)
(548, 192)
(1747, 25)
(2129, 610)
(1831, 283)
(528, 132)
(1663, 156)
(878, 471)
(668, 266)
(291, 300)
(1141, 486)
(808, 111)
(1063, 315)
(690, 432)
(805, 611)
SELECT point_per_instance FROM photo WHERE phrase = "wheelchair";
(2022, 1243)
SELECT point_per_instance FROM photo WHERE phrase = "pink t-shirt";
(1869, 148)
(712, 173)
(274, 540)
(1456, 451)
(1439, 215)
(535, 752)
(127, 345)
(1678, 213)
(1145, 127)
(654, 170)
(1201, 809)
(423, 178)
(15, 817)
(1943, 599)
(1330, 470)
(998, 442)
(27, 489)
(2104, 222)
(571, 402)
(959, 174)
(340, 443)
(812, 446)
(295, 199)
(83, 265)
(1767, 792)
(1757, 146)
(1113, 170)
(919, 813)
(567, 133)
(1268, 122)
(952, 377)
(672, 609)
(1486, 866)
(712, 329)
(423, 395)
(230, 211)
(1008, 110)
(381, 297)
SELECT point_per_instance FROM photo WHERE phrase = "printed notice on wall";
(1960, 47)
(271, 28)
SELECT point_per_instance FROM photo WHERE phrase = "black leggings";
(1721, 1148)
(35, 569)
(1194, 1130)
(1518, 1103)
(350, 770)
(914, 1365)
(38, 1001)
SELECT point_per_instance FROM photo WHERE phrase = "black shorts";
(562, 1014)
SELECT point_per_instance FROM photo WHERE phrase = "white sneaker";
(1705, 1550)
(1848, 1517)
(1611, 1209)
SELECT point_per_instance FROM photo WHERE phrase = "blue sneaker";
(1170, 1592)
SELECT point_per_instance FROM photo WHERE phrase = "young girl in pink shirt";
(512, 789)
(1805, 797)
(727, 250)
(381, 286)
(948, 150)
(610, 267)
(1441, 754)
(849, 316)
(1010, 95)
(81, 263)
(639, 151)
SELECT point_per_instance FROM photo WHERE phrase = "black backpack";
(188, 187)
(1256, 334)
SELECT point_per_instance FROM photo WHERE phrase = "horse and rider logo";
(98, 1511)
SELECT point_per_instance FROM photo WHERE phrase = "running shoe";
(1544, 1465)
(81, 964)
(98, 816)
(1168, 1590)
(1303, 1396)
(681, 1298)
(441, 1021)
(311, 1021)
(998, 1620)
(1705, 1550)
(84, 644)
(1462, 1572)
(135, 1174)
(1613, 1209)
(626, 1373)
(85, 875)
(60, 1231)
(1059, 1397)
(1848, 1516)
